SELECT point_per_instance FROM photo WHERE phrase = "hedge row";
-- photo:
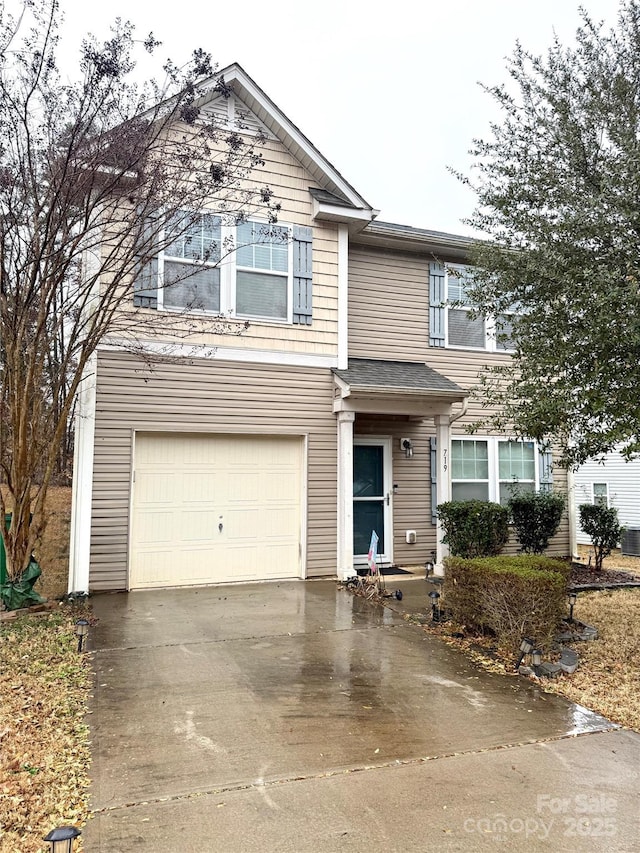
(513, 597)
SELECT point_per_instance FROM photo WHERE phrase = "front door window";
(369, 496)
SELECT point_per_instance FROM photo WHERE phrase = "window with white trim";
(492, 469)
(452, 323)
(600, 494)
(243, 270)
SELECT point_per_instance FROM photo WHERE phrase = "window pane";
(504, 328)
(259, 295)
(191, 287)
(516, 459)
(367, 516)
(465, 332)
(508, 490)
(197, 239)
(469, 460)
(469, 491)
(263, 246)
(601, 494)
(368, 466)
(456, 290)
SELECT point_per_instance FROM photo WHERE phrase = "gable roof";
(261, 105)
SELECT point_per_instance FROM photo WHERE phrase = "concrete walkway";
(297, 717)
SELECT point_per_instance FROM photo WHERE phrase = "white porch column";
(82, 485)
(443, 486)
(345, 494)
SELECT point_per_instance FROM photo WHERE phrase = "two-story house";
(340, 410)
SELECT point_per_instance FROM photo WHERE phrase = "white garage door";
(208, 509)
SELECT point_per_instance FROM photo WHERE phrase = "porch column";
(443, 485)
(345, 494)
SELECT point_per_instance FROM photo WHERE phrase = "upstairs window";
(249, 270)
(189, 266)
(262, 270)
(451, 320)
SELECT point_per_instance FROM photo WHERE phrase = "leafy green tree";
(601, 524)
(558, 194)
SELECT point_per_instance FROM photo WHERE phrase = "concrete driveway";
(297, 717)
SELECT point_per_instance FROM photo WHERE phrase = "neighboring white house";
(614, 483)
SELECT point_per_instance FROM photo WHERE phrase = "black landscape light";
(536, 660)
(82, 629)
(526, 647)
(435, 605)
(62, 838)
(572, 601)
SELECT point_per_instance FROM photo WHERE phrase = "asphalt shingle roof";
(397, 376)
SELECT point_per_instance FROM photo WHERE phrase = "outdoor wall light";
(572, 601)
(526, 647)
(62, 838)
(435, 605)
(82, 629)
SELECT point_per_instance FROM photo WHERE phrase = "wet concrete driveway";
(295, 716)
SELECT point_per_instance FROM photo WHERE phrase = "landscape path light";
(82, 629)
(435, 605)
(572, 601)
(526, 646)
(62, 838)
(536, 660)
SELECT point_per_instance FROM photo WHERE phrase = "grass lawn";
(44, 746)
(608, 678)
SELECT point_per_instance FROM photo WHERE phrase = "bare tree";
(91, 172)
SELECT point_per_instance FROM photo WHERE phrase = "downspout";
(462, 412)
(571, 512)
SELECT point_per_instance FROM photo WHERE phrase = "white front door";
(372, 497)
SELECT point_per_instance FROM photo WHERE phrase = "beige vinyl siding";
(388, 305)
(389, 319)
(215, 397)
(290, 183)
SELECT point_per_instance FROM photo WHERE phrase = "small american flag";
(373, 551)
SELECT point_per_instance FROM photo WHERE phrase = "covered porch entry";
(393, 422)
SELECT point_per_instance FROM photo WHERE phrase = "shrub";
(601, 524)
(536, 517)
(511, 596)
(474, 528)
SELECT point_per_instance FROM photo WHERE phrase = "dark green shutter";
(436, 304)
(302, 275)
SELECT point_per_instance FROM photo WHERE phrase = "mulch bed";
(583, 576)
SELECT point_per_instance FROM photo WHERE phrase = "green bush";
(601, 524)
(512, 596)
(474, 528)
(536, 517)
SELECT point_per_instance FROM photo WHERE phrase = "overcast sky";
(388, 93)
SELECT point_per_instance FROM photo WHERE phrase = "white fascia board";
(378, 390)
(287, 132)
(337, 213)
(343, 297)
(215, 353)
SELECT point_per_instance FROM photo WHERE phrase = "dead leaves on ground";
(44, 745)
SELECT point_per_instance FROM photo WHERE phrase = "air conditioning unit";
(631, 542)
